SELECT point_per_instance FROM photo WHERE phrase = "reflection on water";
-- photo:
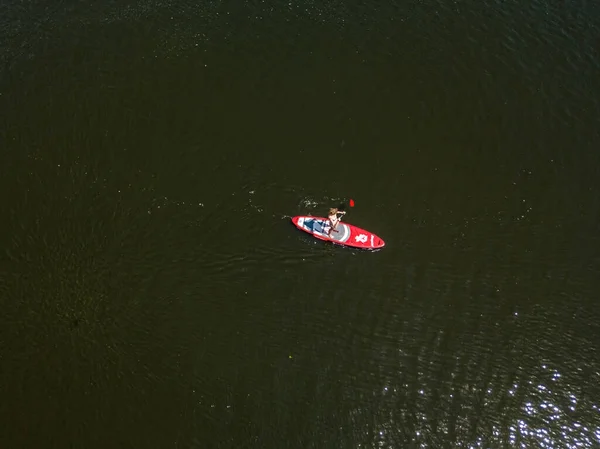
(545, 416)
(552, 412)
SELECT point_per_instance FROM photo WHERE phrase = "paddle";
(342, 206)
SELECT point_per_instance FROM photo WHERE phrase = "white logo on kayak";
(362, 238)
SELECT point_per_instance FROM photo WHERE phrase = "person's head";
(333, 211)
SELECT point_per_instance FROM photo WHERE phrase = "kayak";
(347, 234)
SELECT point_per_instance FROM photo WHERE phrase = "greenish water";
(155, 294)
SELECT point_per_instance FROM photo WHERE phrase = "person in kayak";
(333, 219)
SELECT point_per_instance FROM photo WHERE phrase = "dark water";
(154, 293)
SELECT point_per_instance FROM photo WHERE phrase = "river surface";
(154, 293)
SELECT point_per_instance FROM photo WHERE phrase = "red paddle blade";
(351, 202)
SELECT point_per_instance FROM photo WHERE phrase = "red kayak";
(347, 234)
